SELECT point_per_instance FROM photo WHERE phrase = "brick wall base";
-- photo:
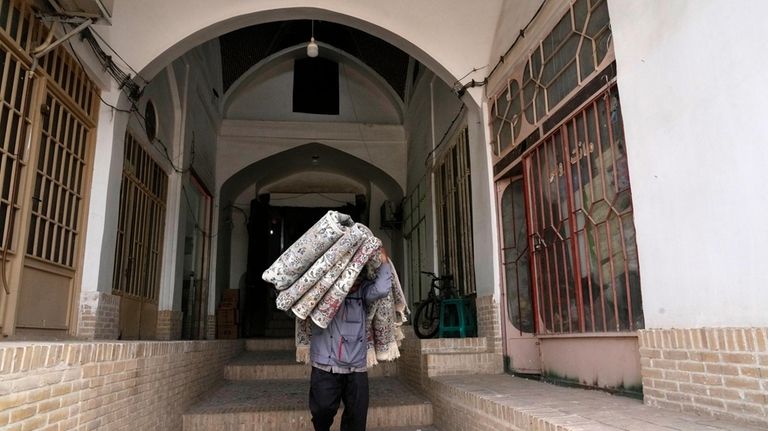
(210, 328)
(489, 321)
(168, 325)
(99, 316)
(722, 372)
(140, 385)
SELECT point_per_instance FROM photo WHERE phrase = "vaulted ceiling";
(243, 48)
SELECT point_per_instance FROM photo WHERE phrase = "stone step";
(279, 405)
(259, 344)
(281, 364)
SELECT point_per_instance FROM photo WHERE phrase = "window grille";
(13, 122)
(584, 260)
(563, 60)
(17, 23)
(516, 257)
(46, 148)
(58, 191)
(141, 222)
(454, 214)
(415, 234)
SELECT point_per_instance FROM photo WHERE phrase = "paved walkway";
(266, 395)
(515, 402)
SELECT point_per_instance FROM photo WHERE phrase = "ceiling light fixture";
(312, 48)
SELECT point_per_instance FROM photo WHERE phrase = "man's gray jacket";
(343, 345)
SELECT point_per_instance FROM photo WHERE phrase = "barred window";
(585, 263)
(454, 213)
(415, 234)
(141, 222)
(557, 65)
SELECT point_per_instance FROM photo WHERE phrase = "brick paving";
(509, 403)
(282, 405)
(263, 395)
(281, 364)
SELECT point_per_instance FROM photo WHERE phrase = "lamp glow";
(312, 48)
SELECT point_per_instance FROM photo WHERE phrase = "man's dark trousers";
(325, 392)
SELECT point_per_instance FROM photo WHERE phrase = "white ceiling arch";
(450, 37)
(299, 51)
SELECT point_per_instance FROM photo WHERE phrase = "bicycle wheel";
(426, 319)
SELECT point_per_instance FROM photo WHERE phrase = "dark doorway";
(271, 230)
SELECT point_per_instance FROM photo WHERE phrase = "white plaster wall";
(431, 109)
(270, 97)
(418, 126)
(203, 117)
(186, 112)
(242, 143)
(312, 200)
(484, 226)
(159, 92)
(450, 36)
(238, 263)
(692, 84)
(104, 201)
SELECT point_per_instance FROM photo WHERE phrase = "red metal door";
(521, 346)
(584, 256)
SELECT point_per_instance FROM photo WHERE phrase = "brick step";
(258, 344)
(451, 364)
(410, 428)
(454, 345)
(281, 364)
(279, 405)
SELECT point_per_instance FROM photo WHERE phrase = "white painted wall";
(692, 85)
(431, 109)
(449, 36)
(269, 96)
(242, 143)
(186, 111)
(104, 201)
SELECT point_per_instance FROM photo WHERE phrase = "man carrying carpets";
(338, 355)
(349, 307)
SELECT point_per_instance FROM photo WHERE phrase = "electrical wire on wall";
(133, 92)
(458, 115)
(354, 111)
(474, 83)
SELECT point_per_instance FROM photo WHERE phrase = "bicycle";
(426, 319)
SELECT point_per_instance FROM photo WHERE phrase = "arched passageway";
(272, 226)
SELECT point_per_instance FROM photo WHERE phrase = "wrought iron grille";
(59, 185)
(584, 256)
(141, 222)
(13, 123)
(558, 65)
(18, 23)
(516, 257)
(415, 234)
(454, 214)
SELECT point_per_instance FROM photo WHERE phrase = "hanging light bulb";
(312, 48)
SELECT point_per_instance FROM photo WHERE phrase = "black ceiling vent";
(316, 86)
